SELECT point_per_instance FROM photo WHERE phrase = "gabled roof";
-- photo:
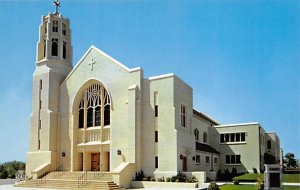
(105, 55)
(202, 115)
(205, 148)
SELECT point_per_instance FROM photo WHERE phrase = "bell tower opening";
(55, 38)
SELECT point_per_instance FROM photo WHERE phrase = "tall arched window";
(64, 50)
(44, 48)
(54, 47)
(95, 97)
(205, 137)
(196, 133)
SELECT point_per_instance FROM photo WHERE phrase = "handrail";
(98, 172)
(58, 170)
(82, 180)
(41, 179)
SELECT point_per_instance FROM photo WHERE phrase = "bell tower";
(53, 64)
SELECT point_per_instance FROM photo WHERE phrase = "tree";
(290, 159)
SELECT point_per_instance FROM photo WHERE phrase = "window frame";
(233, 159)
(198, 159)
(233, 138)
(183, 115)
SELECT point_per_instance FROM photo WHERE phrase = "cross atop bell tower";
(56, 3)
(55, 38)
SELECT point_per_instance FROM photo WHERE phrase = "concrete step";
(71, 184)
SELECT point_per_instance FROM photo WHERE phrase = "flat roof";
(238, 124)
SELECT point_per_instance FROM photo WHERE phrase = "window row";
(207, 159)
(233, 159)
(55, 27)
(196, 133)
(233, 137)
(90, 111)
(54, 48)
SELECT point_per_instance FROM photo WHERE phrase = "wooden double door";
(95, 161)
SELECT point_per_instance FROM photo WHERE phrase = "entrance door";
(184, 164)
(95, 161)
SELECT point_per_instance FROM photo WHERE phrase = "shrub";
(149, 178)
(219, 175)
(260, 182)
(235, 181)
(162, 179)
(234, 171)
(255, 170)
(168, 179)
(152, 179)
(180, 177)
(139, 176)
(213, 186)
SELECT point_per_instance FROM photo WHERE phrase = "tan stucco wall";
(249, 151)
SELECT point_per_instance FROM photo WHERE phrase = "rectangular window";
(232, 137)
(238, 159)
(233, 159)
(222, 138)
(156, 110)
(156, 162)
(156, 136)
(238, 137)
(207, 159)
(227, 159)
(39, 145)
(243, 137)
(269, 144)
(55, 26)
(40, 104)
(41, 84)
(197, 158)
(215, 160)
(183, 116)
(227, 137)
(40, 124)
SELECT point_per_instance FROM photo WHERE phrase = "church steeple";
(55, 38)
(53, 64)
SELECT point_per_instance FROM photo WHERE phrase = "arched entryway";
(92, 123)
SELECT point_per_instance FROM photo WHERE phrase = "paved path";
(201, 186)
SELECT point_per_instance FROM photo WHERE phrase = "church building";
(102, 115)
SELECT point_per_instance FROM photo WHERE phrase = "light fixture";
(194, 158)
(181, 156)
(63, 154)
(119, 152)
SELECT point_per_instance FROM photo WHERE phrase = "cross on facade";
(56, 3)
(92, 64)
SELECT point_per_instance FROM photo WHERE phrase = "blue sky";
(242, 58)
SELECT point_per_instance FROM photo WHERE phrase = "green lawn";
(251, 187)
(291, 178)
(248, 177)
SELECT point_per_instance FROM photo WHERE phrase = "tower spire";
(56, 3)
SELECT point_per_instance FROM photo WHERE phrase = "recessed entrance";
(95, 161)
